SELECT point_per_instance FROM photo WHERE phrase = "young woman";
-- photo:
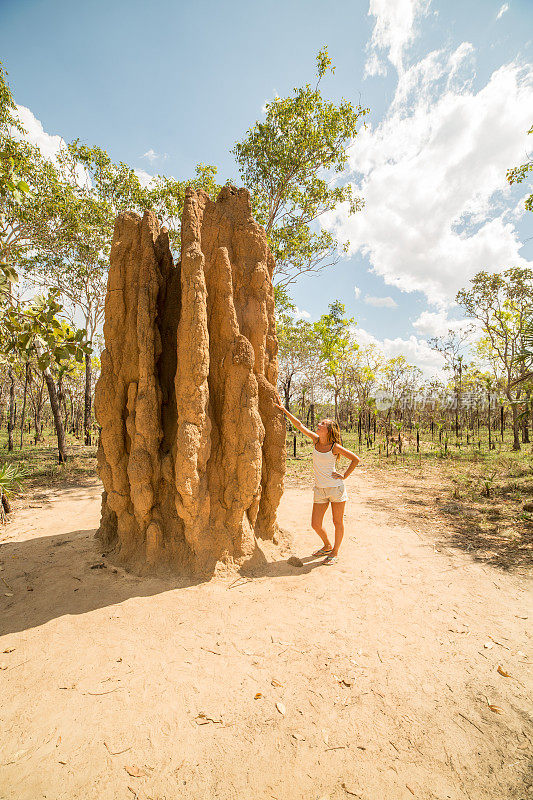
(329, 483)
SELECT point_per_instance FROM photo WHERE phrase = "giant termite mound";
(192, 450)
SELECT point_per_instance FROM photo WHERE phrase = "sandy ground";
(376, 678)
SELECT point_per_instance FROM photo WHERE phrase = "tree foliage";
(289, 163)
(519, 174)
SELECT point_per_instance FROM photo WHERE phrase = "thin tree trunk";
(516, 427)
(525, 428)
(23, 415)
(11, 415)
(56, 412)
(87, 399)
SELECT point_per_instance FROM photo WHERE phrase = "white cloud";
(36, 135)
(144, 177)
(357, 292)
(48, 144)
(380, 302)
(152, 156)
(301, 314)
(502, 10)
(433, 176)
(394, 30)
(416, 351)
(437, 323)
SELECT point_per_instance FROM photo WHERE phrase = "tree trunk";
(23, 414)
(525, 420)
(516, 427)
(88, 399)
(11, 413)
(56, 412)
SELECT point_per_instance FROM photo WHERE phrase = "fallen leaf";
(8, 594)
(298, 737)
(274, 682)
(3, 666)
(347, 682)
(8, 650)
(203, 719)
(503, 672)
(258, 696)
(281, 708)
(488, 645)
(350, 791)
(496, 709)
(135, 772)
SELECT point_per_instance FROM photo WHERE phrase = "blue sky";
(450, 90)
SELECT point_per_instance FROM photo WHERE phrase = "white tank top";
(323, 466)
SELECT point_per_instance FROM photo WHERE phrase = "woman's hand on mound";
(278, 403)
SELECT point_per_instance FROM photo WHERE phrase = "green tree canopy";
(289, 163)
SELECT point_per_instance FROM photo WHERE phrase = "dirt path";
(383, 668)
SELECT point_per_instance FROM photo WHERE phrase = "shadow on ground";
(47, 577)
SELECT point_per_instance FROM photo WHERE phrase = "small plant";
(487, 482)
(11, 477)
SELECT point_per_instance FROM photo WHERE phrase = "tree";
(288, 162)
(502, 303)
(450, 347)
(36, 329)
(337, 346)
(518, 174)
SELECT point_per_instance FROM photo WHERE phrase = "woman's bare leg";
(337, 512)
(317, 518)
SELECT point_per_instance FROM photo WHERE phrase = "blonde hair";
(334, 434)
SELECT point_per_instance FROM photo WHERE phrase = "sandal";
(330, 560)
(324, 551)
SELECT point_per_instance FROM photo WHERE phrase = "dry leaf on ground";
(135, 772)
(281, 708)
(503, 672)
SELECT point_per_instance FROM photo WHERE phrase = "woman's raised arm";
(295, 421)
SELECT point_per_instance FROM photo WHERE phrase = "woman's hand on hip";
(337, 475)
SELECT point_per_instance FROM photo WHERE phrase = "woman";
(329, 483)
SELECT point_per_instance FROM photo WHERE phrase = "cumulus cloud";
(502, 10)
(437, 323)
(416, 351)
(433, 176)
(144, 177)
(301, 314)
(380, 302)
(49, 145)
(394, 30)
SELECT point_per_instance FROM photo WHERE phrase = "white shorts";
(327, 494)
